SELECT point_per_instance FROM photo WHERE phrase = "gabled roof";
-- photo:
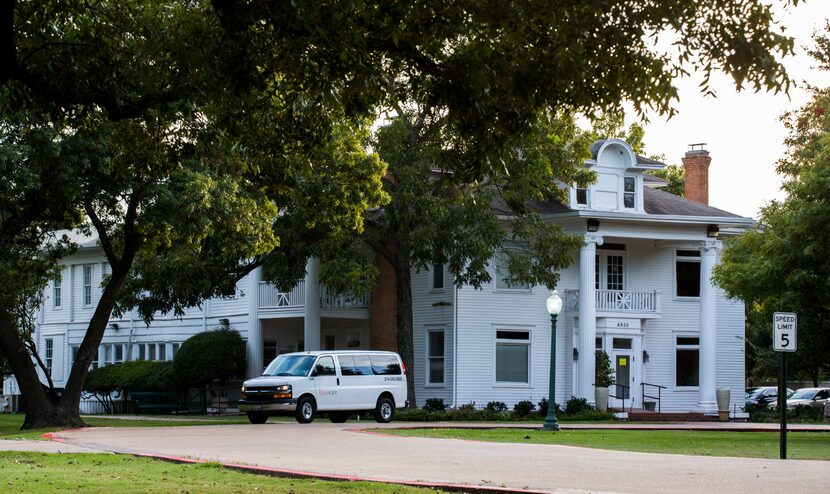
(641, 160)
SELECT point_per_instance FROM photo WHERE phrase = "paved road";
(324, 448)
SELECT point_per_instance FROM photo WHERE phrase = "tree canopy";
(114, 114)
(784, 263)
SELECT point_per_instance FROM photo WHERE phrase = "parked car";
(336, 382)
(764, 396)
(808, 397)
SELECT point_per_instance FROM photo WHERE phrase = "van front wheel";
(385, 410)
(305, 410)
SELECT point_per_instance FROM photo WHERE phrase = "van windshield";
(290, 365)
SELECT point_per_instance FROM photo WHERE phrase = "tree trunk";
(403, 317)
(42, 409)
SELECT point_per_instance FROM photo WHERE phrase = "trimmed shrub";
(523, 408)
(138, 375)
(435, 405)
(210, 356)
(576, 406)
(495, 407)
(469, 407)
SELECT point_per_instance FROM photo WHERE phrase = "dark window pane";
(622, 343)
(598, 343)
(687, 368)
(436, 344)
(436, 370)
(582, 196)
(688, 253)
(629, 184)
(325, 367)
(687, 340)
(511, 363)
(688, 279)
(512, 335)
(628, 200)
(437, 276)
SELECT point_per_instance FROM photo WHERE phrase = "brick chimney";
(696, 167)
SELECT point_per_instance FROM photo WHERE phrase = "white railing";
(618, 300)
(271, 298)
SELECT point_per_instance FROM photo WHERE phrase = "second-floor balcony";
(270, 297)
(619, 301)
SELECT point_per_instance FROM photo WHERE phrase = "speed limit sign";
(783, 331)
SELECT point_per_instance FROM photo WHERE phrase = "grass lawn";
(800, 445)
(10, 423)
(34, 473)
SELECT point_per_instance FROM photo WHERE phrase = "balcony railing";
(272, 298)
(625, 301)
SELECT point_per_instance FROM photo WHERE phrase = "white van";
(337, 382)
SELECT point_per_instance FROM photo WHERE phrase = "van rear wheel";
(257, 418)
(385, 410)
(305, 410)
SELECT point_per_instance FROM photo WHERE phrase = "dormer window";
(629, 192)
(581, 196)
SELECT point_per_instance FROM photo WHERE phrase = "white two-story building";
(639, 288)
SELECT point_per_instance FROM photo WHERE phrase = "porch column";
(708, 329)
(255, 350)
(311, 322)
(587, 317)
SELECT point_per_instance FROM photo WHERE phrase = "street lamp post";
(554, 305)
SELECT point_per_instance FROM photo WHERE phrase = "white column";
(255, 350)
(708, 329)
(311, 322)
(587, 317)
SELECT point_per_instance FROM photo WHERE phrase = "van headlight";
(244, 388)
(282, 391)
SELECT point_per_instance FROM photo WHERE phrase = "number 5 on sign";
(783, 331)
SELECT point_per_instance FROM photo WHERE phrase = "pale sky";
(743, 130)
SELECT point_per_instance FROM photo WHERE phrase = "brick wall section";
(696, 167)
(382, 308)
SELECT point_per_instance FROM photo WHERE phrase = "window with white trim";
(435, 356)
(87, 285)
(512, 357)
(48, 354)
(56, 293)
(687, 273)
(581, 196)
(687, 361)
(629, 192)
(438, 276)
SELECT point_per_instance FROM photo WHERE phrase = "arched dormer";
(619, 183)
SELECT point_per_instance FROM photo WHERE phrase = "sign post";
(783, 341)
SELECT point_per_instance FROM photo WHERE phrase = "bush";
(523, 408)
(435, 405)
(495, 407)
(210, 356)
(138, 375)
(469, 407)
(576, 406)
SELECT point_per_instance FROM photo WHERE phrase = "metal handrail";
(617, 391)
(658, 397)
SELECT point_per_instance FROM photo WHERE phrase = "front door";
(624, 352)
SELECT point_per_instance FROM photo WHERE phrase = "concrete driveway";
(344, 450)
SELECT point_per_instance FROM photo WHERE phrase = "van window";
(385, 365)
(362, 366)
(325, 367)
(346, 365)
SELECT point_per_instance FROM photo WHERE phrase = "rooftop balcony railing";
(623, 301)
(270, 297)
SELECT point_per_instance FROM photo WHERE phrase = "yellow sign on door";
(623, 361)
